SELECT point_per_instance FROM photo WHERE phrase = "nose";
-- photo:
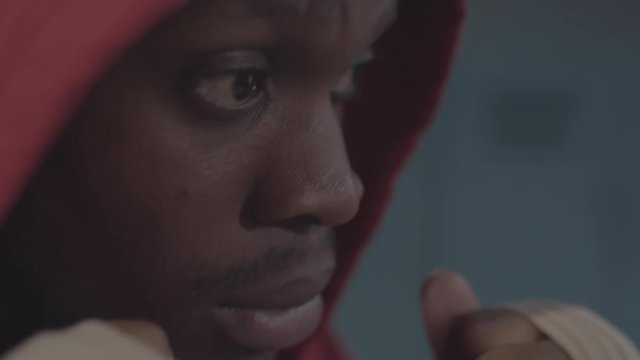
(309, 179)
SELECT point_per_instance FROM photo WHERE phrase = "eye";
(233, 90)
(347, 84)
(344, 88)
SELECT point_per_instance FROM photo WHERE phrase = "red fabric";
(384, 125)
(52, 51)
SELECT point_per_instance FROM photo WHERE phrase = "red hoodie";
(48, 65)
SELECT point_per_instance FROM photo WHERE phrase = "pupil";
(245, 85)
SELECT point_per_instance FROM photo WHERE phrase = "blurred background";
(529, 182)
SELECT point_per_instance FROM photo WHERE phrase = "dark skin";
(206, 166)
(207, 163)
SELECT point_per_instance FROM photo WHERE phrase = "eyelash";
(221, 93)
(229, 93)
(355, 73)
(253, 81)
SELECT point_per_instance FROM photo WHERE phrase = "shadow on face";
(198, 185)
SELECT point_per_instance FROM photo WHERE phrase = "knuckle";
(473, 330)
(480, 332)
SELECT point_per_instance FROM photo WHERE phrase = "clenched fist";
(458, 329)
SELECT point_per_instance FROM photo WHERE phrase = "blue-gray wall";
(530, 181)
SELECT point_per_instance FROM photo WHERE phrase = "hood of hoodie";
(47, 68)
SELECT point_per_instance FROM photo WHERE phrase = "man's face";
(198, 185)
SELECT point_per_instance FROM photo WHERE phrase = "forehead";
(325, 30)
(335, 12)
(326, 7)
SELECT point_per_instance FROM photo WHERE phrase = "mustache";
(276, 260)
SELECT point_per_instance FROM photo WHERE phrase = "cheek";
(159, 197)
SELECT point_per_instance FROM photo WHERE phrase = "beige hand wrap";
(581, 333)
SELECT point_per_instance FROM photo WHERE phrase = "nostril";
(248, 218)
(302, 224)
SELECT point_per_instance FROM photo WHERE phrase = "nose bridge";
(317, 149)
(309, 175)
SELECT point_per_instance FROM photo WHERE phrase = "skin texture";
(207, 167)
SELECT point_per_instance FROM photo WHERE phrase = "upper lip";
(278, 294)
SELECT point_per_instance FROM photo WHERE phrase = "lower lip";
(266, 329)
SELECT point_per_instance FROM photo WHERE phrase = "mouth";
(273, 316)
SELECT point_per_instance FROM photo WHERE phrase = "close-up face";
(199, 183)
